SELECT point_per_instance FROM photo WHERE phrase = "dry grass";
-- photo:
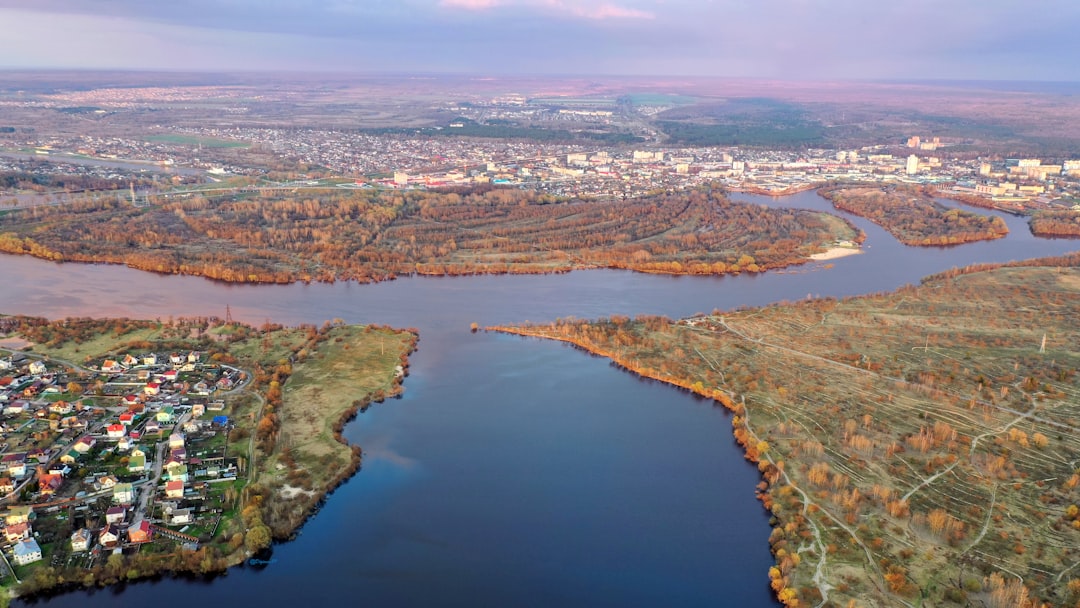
(915, 438)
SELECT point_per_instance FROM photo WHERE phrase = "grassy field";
(917, 448)
(348, 369)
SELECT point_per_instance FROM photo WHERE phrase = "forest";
(377, 235)
(916, 448)
(913, 216)
(1056, 223)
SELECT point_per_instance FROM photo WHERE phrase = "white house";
(27, 552)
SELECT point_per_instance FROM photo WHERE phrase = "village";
(121, 456)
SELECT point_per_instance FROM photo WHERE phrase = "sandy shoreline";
(835, 252)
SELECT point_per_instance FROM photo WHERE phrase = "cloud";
(579, 9)
(470, 5)
(604, 10)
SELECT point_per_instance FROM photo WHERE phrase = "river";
(513, 471)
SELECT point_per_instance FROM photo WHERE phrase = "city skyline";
(785, 39)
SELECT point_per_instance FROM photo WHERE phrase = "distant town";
(396, 161)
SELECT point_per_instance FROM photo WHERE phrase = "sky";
(794, 39)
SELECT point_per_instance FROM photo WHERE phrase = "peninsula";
(916, 444)
(134, 448)
(336, 233)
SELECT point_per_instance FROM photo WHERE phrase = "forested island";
(913, 216)
(369, 235)
(916, 446)
(139, 448)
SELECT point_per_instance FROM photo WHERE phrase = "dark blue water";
(513, 471)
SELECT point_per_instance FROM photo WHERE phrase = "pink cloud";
(581, 9)
(604, 10)
(470, 5)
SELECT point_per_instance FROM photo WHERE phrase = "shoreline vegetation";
(913, 216)
(370, 236)
(1064, 223)
(914, 444)
(301, 386)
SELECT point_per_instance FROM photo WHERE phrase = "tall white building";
(912, 164)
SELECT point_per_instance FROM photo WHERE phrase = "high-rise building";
(912, 164)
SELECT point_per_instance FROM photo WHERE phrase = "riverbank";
(835, 253)
(881, 458)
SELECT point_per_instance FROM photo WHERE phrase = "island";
(915, 447)
(137, 448)
(913, 216)
(278, 235)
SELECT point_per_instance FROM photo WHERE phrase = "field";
(912, 215)
(917, 448)
(351, 368)
(371, 235)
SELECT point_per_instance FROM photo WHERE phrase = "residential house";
(198, 409)
(152, 426)
(123, 494)
(193, 357)
(129, 401)
(115, 515)
(18, 514)
(16, 532)
(80, 540)
(70, 457)
(129, 360)
(115, 431)
(6, 486)
(180, 516)
(84, 444)
(175, 471)
(127, 418)
(107, 482)
(176, 440)
(137, 463)
(170, 375)
(16, 408)
(152, 388)
(112, 367)
(140, 532)
(15, 464)
(124, 444)
(174, 489)
(49, 483)
(176, 359)
(166, 415)
(37, 368)
(27, 552)
(149, 359)
(109, 537)
(61, 407)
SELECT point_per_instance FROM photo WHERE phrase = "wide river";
(513, 472)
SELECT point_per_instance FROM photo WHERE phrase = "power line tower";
(228, 315)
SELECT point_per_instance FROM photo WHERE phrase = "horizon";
(805, 40)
